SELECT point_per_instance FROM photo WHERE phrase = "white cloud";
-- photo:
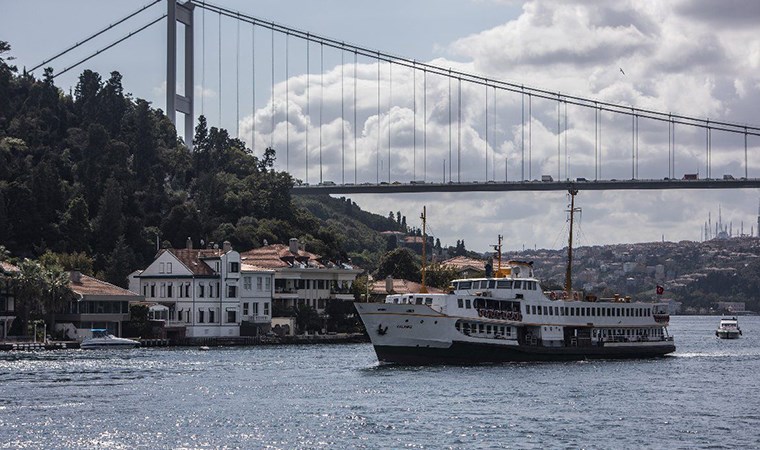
(671, 62)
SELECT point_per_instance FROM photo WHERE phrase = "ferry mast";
(423, 216)
(568, 272)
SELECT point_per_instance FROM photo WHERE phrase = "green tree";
(399, 263)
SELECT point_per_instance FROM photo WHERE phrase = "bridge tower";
(182, 13)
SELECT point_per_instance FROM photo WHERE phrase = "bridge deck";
(388, 188)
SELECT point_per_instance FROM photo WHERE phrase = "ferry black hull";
(475, 353)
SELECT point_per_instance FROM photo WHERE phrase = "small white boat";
(102, 339)
(728, 328)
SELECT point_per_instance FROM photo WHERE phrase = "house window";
(161, 267)
(267, 283)
(266, 308)
(247, 283)
(231, 291)
(201, 314)
(153, 289)
(245, 309)
(179, 315)
(211, 315)
(234, 267)
(218, 292)
(168, 267)
(231, 316)
(162, 290)
(201, 290)
(255, 309)
(169, 290)
(259, 281)
(145, 290)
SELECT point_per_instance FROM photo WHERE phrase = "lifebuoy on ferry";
(575, 296)
(518, 317)
(510, 315)
(553, 296)
(564, 295)
(480, 312)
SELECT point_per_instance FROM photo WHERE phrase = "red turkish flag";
(660, 290)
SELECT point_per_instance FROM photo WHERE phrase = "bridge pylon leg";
(182, 13)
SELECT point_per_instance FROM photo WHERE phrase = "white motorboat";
(728, 328)
(102, 339)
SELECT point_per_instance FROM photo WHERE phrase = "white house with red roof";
(98, 304)
(208, 292)
(303, 278)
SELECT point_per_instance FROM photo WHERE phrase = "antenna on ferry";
(498, 256)
(423, 216)
(568, 272)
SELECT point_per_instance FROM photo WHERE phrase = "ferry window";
(533, 309)
(467, 303)
(418, 300)
(539, 310)
(609, 312)
(504, 284)
(480, 328)
(593, 312)
(428, 301)
(551, 310)
(465, 284)
(518, 284)
(460, 303)
(491, 284)
(488, 329)
(649, 312)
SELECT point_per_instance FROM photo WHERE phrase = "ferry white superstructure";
(508, 318)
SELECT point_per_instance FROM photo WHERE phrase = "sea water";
(338, 396)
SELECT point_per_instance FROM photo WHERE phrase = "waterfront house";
(200, 288)
(7, 297)
(97, 304)
(379, 289)
(302, 278)
(207, 292)
(465, 266)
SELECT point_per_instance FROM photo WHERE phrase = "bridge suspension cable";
(113, 44)
(93, 36)
(479, 79)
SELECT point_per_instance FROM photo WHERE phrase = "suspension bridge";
(344, 118)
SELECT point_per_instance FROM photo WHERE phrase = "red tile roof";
(401, 287)
(8, 267)
(463, 262)
(92, 286)
(277, 256)
(193, 258)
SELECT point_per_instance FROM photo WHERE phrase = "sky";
(694, 58)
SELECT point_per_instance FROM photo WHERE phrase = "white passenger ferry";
(507, 317)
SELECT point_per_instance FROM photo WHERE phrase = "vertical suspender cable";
(308, 114)
(450, 160)
(424, 126)
(459, 132)
(203, 59)
(567, 176)
(342, 119)
(377, 147)
(633, 144)
(253, 86)
(670, 145)
(600, 144)
(530, 136)
(321, 101)
(220, 70)
(271, 135)
(356, 125)
(414, 122)
(559, 136)
(486, 146)
(522, 141)
(287, 102)
(237, 79)
(746, 172)
(493, 153)
(390, 122)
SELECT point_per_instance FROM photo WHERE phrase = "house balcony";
(257, 319)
